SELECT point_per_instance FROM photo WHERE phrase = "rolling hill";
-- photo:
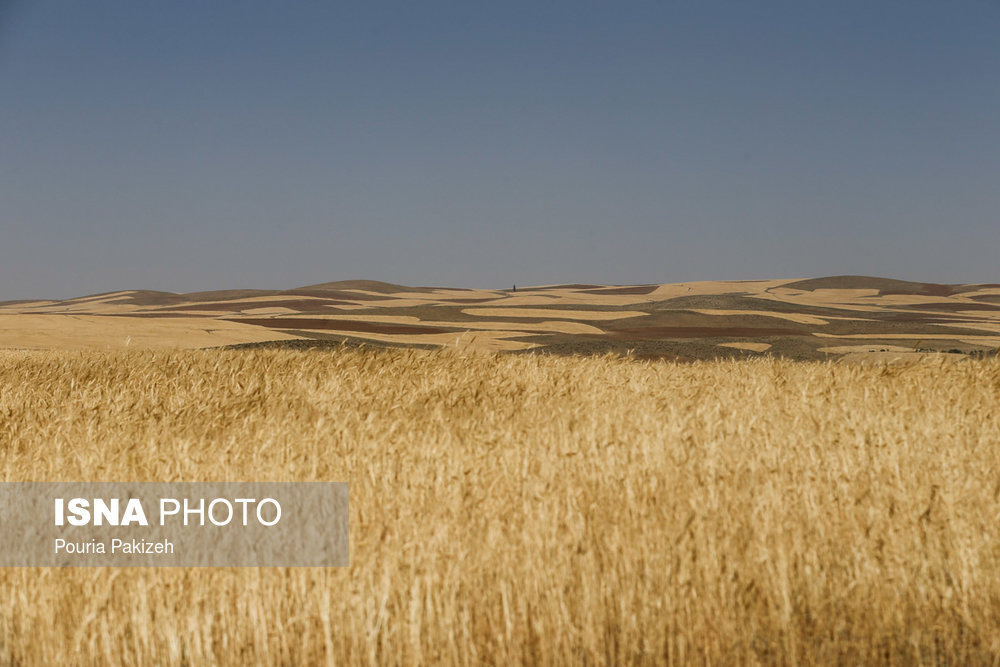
(820, 318)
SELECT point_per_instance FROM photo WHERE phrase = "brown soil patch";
(367, 285)
(152, 298)
(301, 305)
(924, 289)
(570, 286)
(337, 294)
(338, 325)
(883, 285)
(230, 294)
(702, 332)
(103, 296)
(636, 289)
(952, 306)
(553, 313)
(752, 347)
(750, 303)
(133, 314)
(489, 298)
(914, 318)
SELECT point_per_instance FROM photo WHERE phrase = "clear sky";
(185, 145)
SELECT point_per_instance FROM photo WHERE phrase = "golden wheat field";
(531, 509)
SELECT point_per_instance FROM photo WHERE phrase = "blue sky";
(210, 145)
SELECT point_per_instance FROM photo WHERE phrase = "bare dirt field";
(531, 509)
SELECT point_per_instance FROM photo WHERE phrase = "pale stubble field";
(531, 509)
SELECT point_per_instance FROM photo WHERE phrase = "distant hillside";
(817, 318)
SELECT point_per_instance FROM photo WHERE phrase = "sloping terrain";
(833, 317)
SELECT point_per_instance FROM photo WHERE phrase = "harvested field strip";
(553, 313)
(344, 295)
(715, 287)
(917, 336)
(20, 304)
(957, 306)
(855, 305)
(571, 286)
(480, 340)
(972, 326)
(97, 298)
(883, 285)
(702, 332)
(637, 289)
(529, 326)
(753, 347)
(848, 349)
(323, 324)
(479, 300)
(791, 317)
(555, 326)
(108, 331)
(236, 306)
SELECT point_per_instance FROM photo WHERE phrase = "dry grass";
(528, 509)
(102, 332)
